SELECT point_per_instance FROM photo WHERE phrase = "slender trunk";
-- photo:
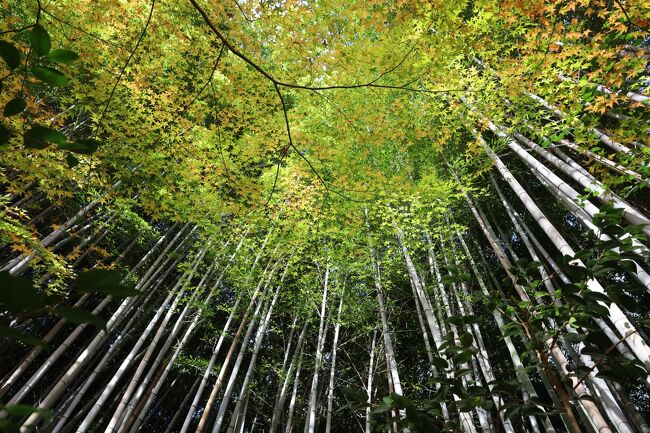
(543, 357)
(126, 401)
(251, 365)
(240, 357)
(465, 418)
(606, 162)
(19, 265)
(282, 395)
(633, 216)
(294, 395)
(108, 356)
(616, 315)
(330, 388)
(208, 370)
(178, 412)
(311, 408)
(233, 346)
(369, 386)
(527, 389)
(151, 395)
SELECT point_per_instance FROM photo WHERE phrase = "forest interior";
(238, 216)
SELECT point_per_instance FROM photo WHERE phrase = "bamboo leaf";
(39, 137)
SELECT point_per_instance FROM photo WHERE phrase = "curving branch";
(629, 20)
(280, 83)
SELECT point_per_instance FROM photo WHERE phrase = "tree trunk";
(330, 388)
(320, 343)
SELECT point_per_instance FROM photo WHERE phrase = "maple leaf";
(22, 248)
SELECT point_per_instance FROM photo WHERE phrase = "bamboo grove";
(380, 216)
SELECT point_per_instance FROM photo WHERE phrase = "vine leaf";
(83, 146)
(104, 281)
(18, 294)
(79, 316)
(40, 40)
(63, 56)
(10, 54)
(39, 137)
(50, 76)
(15, 106)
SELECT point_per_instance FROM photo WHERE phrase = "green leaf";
(18, 294)
(22, 410)
(5, 134)
(510, 412)
(466, 339)
(9, 426)
(463, 357)
(79, 316)
(455, 320)
(355, 394)
(40, 40)
(13, 334)
(50, 76)
(10, 54)
(39, 137)
(71, 160)
(104, 281)
(15, 106)
(63, 56)
(439, 363)
(84, 146)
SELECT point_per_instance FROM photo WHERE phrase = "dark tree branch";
(280, 83)
(38, 18)
(79, 29)
(629, 20)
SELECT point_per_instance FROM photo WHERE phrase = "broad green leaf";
(63, 56)
(71, 160)
(79, 316)
(18, 294)
(5, 134)
(39, 137)
(15, 106)
(10, 54)
(463, 357)
(355, 394)
(466, 339)
(21, 410)
(50, 76)
(439, 363)
(83, 146)
(14, 334)
(9, 426)
(104, 281)
(40, 40)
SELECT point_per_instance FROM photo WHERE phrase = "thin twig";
(280, 83)
(629, 20)
(126, 64)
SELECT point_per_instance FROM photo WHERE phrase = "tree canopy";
(235, 215)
